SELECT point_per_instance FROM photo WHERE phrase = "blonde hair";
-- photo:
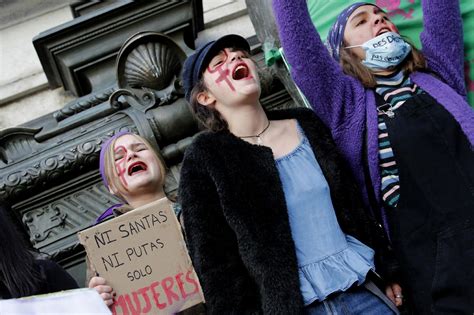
(352, 66)
(110, 169)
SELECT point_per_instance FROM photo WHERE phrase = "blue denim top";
(328, 260)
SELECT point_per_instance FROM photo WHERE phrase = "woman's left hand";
(394, 293)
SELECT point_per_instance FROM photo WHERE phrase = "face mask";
(384, 51)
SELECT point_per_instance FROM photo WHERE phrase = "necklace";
(259, 141)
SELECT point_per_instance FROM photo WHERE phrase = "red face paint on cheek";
(120, 165)
(223, 74)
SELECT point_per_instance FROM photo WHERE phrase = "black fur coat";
(236, 219)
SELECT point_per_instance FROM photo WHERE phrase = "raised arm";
(442, 41)
(211, 242)
(320, 78)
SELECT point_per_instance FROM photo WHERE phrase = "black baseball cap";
(195, 64)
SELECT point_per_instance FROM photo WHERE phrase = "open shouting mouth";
(136, 168)
(241, 71)
(383, 30)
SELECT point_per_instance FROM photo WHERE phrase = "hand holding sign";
(143, 257)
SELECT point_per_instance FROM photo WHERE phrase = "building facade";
(75, 73)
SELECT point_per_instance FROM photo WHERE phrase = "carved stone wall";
(72, 58)
(49, 166)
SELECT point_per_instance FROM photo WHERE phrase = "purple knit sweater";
(348, 108)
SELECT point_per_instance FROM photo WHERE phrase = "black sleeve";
(386, 262)
(54, 277)
(212, 243)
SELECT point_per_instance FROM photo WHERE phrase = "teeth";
(239, 67)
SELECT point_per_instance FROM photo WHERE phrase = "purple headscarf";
(336, 33)
(103, 149)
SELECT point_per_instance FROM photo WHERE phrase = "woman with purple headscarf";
(132, 171)
(400, 118)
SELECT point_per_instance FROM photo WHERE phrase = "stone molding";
(98, 36)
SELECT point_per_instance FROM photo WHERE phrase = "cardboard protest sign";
(142, 255)
(78, 301)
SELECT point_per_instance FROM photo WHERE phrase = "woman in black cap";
(273, 220)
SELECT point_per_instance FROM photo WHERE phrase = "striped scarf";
(395, 89)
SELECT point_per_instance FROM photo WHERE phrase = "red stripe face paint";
(223, 74)
(120, 164)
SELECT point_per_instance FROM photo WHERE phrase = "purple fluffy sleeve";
(442, 41)
(330, 92)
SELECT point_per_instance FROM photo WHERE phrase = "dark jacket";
(53, 278)
(237, 224)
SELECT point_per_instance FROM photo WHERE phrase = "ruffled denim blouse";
(328, 260)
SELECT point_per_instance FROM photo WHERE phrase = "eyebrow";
(220, 53)
(357, 15)
(377, 10)
(211, 62)
(137, 144)
(132, 146)
(119, 148)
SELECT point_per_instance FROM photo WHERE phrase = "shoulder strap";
(379, 100)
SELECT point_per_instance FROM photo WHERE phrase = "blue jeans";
(356, 300)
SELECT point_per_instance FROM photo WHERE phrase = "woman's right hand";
(394, 293)
(105, 291)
